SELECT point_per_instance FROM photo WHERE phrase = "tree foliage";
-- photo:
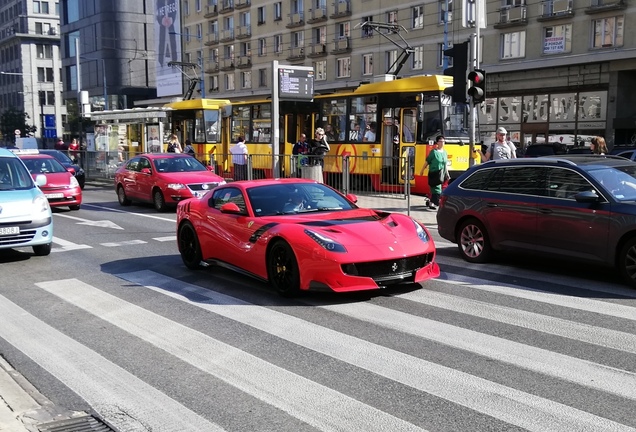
(12, 119)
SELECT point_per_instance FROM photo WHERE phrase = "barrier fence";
(376, 176)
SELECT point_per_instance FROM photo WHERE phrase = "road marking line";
(124, 243)
(166, 239)
(125, 400)
(67, 245)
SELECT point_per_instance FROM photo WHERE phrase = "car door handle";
(545, 211)
(492, 205)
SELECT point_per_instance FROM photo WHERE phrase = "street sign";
(296, 83)
(50, 133)
(49, 120)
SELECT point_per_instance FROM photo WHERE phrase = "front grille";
(389, 271)
(16, 239)
(202, 186)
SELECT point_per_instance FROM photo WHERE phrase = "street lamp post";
(202, 82)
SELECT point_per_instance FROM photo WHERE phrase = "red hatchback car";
(62, 188)
(163, 179)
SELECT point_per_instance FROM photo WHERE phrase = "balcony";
(242, 4)
(317, 15)
(555, 9)
(512, 16)
(227, 64)
(317, 50)
(227, 35)
(598, 6)
(244, 61)
(244, 32)
(296, 20)
(212, 11)
(227, 6)
(341, 9)
(341, 46)
(213, 39)
(212, 66)
(296, 54)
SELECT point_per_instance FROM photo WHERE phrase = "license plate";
(9, 230)
(55, 195)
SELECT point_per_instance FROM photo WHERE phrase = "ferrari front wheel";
(282, 269)
(189, 246)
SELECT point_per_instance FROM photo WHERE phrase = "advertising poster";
(168, 47)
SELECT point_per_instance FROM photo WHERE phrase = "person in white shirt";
(369, 135)
(239, 159)
(500, 149)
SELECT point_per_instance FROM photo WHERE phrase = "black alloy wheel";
(282, 269)
(189, 246)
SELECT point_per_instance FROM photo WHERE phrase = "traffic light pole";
(474, 64)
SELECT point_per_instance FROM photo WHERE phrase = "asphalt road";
(113, 323)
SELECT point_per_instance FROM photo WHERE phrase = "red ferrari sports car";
(302, 235)
(163, 179)
(62, 188)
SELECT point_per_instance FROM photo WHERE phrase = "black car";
(580, 207)
(67, 162)
(549, 149)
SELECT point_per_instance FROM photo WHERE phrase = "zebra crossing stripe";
(567, 301)
(504, 403)
(582, 372)
(306, 400)
(128, 402)
(555, 326)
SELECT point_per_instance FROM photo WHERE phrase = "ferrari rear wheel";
(158, 200)
(189, 246)
(282, 269)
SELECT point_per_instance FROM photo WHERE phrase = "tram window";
(366, 114)
(333, 112)
(212, 126)
(199, 127)
(240, 122)
(409, 124)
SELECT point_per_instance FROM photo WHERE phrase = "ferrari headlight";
(176, 186)
(421, 232)
(325, 242)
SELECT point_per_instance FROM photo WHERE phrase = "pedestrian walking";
(239, 159)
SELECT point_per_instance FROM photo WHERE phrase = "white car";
(25, 214)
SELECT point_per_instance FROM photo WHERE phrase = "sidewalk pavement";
(22, 407)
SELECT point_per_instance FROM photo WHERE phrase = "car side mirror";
(71, 170)
(586, 197)
(146, 171)
(40, 179)
(231, 208)
(352, 197)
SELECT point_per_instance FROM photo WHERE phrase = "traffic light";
(459, 54)
(477, 89)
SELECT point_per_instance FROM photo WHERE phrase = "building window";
(392, 17)
(41, 74)
(343, 30)
(278, 11)
(513, 45)
(260, 12)
(186, 31)
(320, 70)
(36, 7)
(186, 8)
(45, 8)
(197, 4)
(262, 77)
(557, 39)
(440, 54)
(262, 47)
(367, 31)
(418, 17)
(391, 58)
(44, 51)
(278, 44)
(343, 67)
(246, 49)
(443, 16)
(298, 39)
(418, 58)
(608, 32)
(367, 64)
(199, 31)
(320, 36)
(246, 79)
(229, 81)
(214, 83)
(296, 7)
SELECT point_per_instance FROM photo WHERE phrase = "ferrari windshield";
(294, 198)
